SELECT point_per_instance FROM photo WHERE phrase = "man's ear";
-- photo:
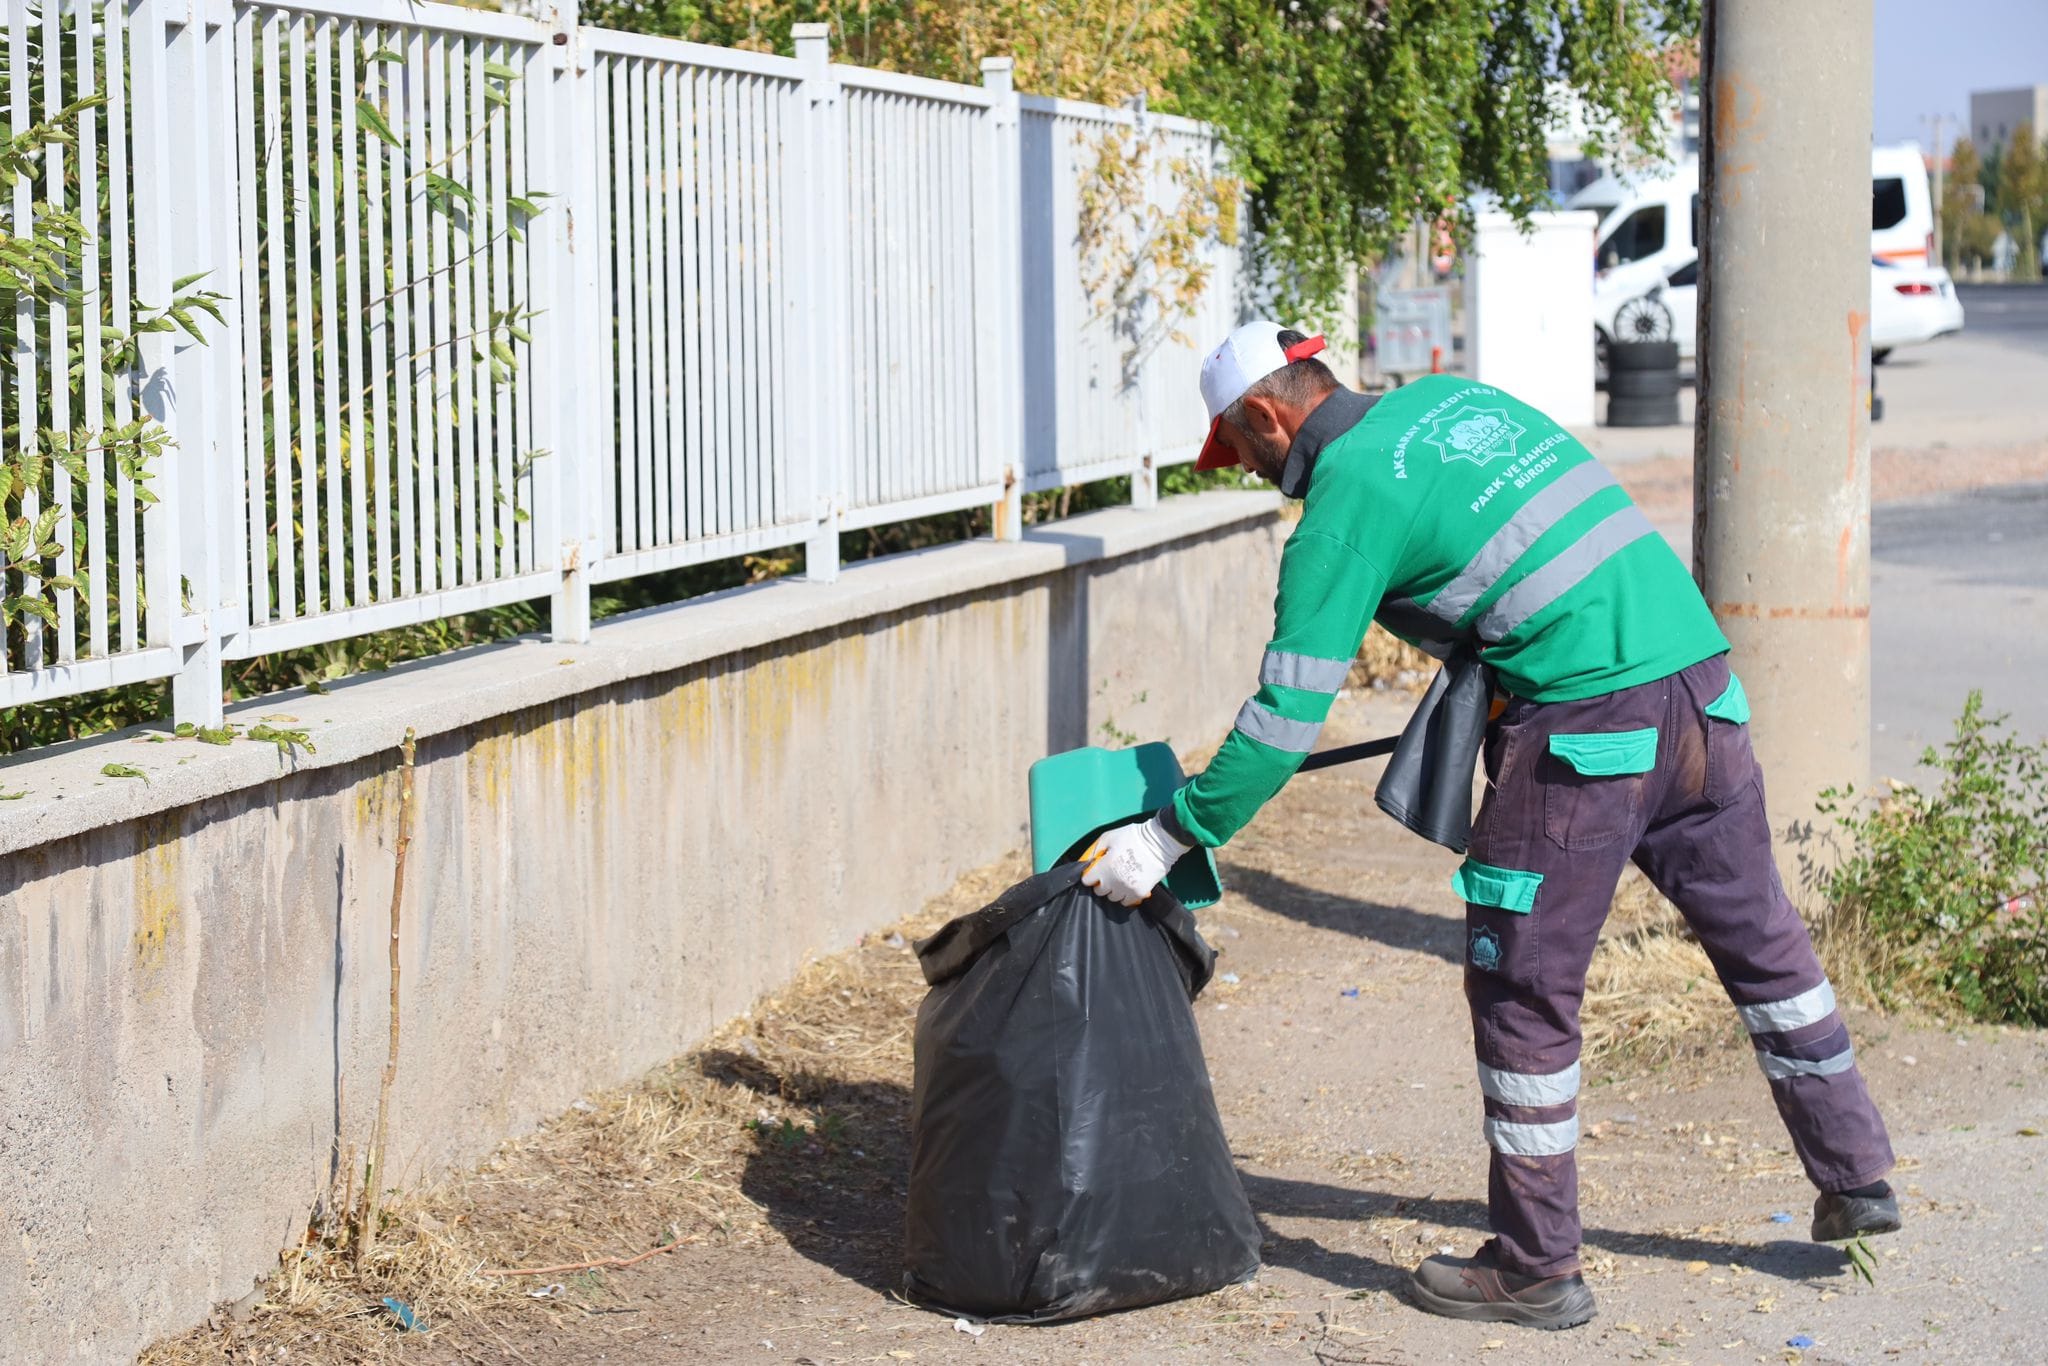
(1262, 417)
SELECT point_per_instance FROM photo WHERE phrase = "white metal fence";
(509, 307)
(1089, 418)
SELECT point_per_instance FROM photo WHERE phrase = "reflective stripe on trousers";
(1788, 1040)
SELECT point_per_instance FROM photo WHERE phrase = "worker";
(1470, 518)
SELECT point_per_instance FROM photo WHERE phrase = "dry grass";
(664, 1161)
(1651, 994)
(1386, 662)
(1864, 965)
(659, 1162)
(1873, 970)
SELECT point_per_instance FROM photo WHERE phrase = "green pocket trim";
(1482, 884)
(1604, 754)
(1732, 705)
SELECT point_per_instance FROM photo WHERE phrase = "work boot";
(1475, 1288)
(1841, 1215)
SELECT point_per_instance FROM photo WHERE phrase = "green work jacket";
(1451, 511)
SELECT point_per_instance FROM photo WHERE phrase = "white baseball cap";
(1247, 356)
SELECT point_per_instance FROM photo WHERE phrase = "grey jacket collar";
(1334, 416)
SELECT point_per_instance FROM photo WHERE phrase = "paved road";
(1959, 600)
(1959, 593)
(2016, 315)
(1959, 584)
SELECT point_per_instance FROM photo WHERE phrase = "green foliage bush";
(1944, 895)
(1346, 120)
(1350, 121)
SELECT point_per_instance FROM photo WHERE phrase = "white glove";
(1126, 863)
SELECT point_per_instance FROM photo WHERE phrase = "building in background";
(1994, 114)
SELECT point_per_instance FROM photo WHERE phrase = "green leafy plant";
(491, 345)
(1943, 895)
(786, 1135)
(98, 456)
(1862, 1261)
(1350, 121)
(286, 739)
(39, 264)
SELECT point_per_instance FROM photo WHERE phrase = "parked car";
(1909, 305)
(1646, 305)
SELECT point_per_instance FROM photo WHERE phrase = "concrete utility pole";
(1781, 500)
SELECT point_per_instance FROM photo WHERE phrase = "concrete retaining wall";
(619, 846)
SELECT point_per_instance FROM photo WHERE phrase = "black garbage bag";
(1066, 1155)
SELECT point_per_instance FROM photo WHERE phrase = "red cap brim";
(1215, 454)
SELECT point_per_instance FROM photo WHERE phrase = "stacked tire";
(1642, 384)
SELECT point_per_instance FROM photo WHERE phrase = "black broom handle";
(1345, 754)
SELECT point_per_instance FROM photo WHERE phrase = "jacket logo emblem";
(1485, 949)
(1481, 435)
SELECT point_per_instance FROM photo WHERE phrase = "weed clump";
(1940, 900)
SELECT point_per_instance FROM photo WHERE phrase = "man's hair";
(1297, 383)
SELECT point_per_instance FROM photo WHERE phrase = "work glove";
(1126, 863)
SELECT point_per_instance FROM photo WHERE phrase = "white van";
(1657, 222)
(1649, 230)
(1901, 207)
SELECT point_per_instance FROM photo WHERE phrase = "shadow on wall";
(1072, 670)
(1066, 664)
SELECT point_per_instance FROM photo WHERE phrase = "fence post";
(999, 268)
(1145, 478)
(171, 239)
(229, 489)
(567, 339)
(821, 279)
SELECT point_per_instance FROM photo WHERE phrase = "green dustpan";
(1077, 795)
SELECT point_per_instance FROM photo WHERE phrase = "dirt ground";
(1355, 1121)
(1662, 484)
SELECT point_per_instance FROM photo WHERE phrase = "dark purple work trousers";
(1694, 822)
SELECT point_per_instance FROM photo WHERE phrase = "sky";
(1932, 53)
